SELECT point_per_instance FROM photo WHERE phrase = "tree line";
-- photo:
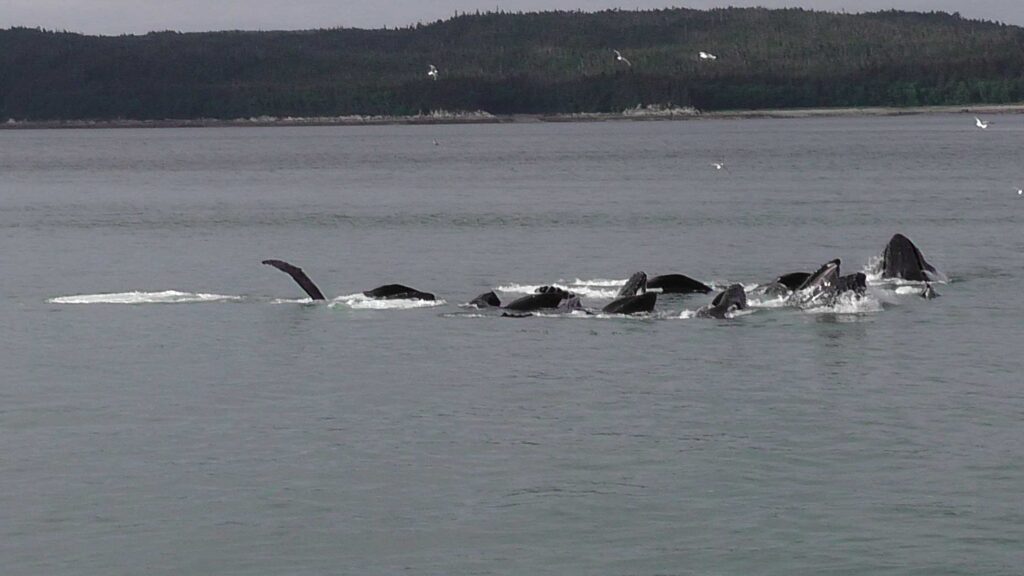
(507, 63)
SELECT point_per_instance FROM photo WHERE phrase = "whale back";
(397, 292)
(678, 284)
(540, 301)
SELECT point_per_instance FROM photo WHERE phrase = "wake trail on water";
(137, 297)
(600, 288)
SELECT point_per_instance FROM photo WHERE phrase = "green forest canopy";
(502, 63)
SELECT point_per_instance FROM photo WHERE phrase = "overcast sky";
(140, 16)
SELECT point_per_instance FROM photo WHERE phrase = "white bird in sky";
(1020, 191)
(707, 56)
(433, 72)
(621, 58)
(983, 124)
(718, 165)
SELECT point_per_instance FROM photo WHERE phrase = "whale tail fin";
(636, 283)
(299, 276)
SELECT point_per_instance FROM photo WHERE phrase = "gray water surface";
(255, 433)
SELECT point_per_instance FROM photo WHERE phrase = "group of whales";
(900, 259)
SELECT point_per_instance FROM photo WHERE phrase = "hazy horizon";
(110, 17)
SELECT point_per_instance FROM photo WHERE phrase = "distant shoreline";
(485, 118)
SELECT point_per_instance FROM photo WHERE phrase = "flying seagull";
(433, 72)
(718, 165)
(621, 58)
(707, 56)
(983, 124)
(1020, 191)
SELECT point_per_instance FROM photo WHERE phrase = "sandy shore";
(485, 118)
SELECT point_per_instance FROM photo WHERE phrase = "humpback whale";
(486, 300)
(793, 280)
(545, 297)
(783, 285)
(386, 292)
(398, 292)
(901, 259)
(819, 286)
(729, 300)
(628, 301)
(822, 287)
(677, 284)
(857, 282)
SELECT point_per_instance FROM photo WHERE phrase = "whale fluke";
(729, 300)
(397, 292)
(299, 276)
(901, 259)
(486, 300)
(677, 284)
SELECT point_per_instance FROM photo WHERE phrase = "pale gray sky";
(140, 16)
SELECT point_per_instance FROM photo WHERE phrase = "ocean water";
(168, 405)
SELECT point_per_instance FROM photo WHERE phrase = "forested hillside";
(553, 62)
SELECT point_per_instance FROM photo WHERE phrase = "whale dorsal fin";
(299, 276)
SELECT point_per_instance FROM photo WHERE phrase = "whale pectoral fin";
(299, 276)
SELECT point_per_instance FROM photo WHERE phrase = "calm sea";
(170, 406)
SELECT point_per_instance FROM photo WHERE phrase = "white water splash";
(164, 297)
(849, 303)
(767, 302)
(598, 289)
(362, 302)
